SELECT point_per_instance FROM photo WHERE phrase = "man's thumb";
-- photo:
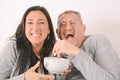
(35, 66)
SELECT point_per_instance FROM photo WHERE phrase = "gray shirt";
(97, 60)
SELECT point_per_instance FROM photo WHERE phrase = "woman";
(33, 40)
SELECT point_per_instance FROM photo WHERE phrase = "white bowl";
(56, 65)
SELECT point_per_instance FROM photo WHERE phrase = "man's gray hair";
(71, 11)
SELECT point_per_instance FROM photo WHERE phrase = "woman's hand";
(32, 75)
(67, 71)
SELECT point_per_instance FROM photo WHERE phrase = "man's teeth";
(36, 35)
(69, 36)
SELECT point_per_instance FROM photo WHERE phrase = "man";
(92, 57)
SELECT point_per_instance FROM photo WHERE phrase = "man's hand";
(64, 46)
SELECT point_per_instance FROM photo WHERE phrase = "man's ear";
(83, 28)
(57, 31)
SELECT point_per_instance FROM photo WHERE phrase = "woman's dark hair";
(27, 57)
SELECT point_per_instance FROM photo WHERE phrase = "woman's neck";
(37, 49)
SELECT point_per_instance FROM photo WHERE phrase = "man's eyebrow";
(61, 22)
(73, 20)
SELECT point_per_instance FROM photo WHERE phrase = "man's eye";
(72, 23)
(62, 25)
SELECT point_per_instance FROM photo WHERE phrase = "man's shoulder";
(96, 37)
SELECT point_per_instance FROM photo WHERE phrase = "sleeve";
(19, 77)
(102, 66)
(8, 58)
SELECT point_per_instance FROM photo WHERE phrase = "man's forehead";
(68, 17)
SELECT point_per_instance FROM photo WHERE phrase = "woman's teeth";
(36, 35)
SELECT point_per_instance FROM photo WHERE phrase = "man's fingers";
(35, 66)
(65, 72)
(57, 48)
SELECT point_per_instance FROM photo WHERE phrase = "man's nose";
(68, 27)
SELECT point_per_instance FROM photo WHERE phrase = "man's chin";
(70, 39)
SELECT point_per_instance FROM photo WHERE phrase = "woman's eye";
(41, 22)
(29, 22)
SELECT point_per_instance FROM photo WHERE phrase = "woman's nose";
(36, 27)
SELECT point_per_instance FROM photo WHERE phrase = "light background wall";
(100, 16)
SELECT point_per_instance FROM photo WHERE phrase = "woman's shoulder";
(10, 43)
(9, 50)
